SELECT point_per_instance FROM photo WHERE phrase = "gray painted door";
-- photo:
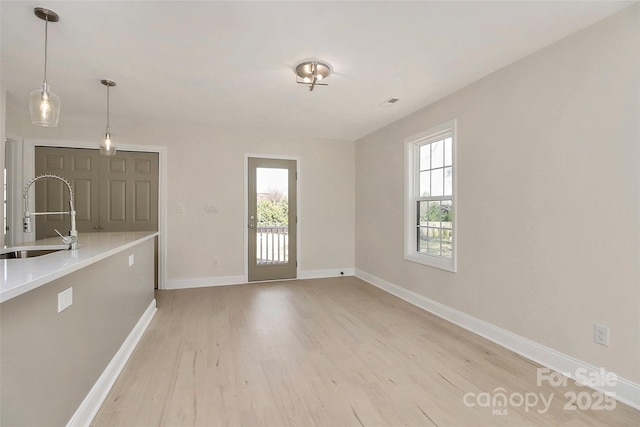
(272, 219)
(117, 193)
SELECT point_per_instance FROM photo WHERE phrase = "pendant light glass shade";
(107, 147)
(44, 105)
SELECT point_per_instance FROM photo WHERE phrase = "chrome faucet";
(72, 238)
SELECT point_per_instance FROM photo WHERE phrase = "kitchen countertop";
(18, 276)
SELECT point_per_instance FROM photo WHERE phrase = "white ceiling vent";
(389, 102)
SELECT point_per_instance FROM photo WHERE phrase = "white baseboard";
(91, 404)
(624, 390)
(323, 274)
(203, 282)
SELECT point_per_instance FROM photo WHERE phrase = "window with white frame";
(430, 236)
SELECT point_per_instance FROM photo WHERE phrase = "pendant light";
(107, 147)
(44, 105)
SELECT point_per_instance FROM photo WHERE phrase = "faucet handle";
(66, 239)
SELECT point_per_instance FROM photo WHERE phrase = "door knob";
(252, 226)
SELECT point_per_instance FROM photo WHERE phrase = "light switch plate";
(131, 260)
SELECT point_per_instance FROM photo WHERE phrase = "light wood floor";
(330, 352)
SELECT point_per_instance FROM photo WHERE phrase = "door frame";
(28, 171)
(245, 221)
(13, 148)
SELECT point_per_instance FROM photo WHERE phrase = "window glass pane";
(272, 231)
(447, 213)
(433, 241)
(437, 154)
(425, 183)
(437, 184)
(448, 181)
(272, 182)
(423, 213)
(429, 240)
(447, 239)
(448, 152)
(447, 247)
(425, 157)
(423, 239)
(435, 214)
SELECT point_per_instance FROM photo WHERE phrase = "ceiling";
(229, 65)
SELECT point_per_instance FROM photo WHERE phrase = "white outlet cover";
(65, 299)
(601, 334)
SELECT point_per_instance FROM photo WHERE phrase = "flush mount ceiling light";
(312, 72)
(44, 105)
(107, 147)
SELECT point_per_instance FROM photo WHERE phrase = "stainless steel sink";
(27, 254)
(30, 251)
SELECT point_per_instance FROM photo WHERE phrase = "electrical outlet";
(179, 208)
(216, 261)
(65, 299)
(601, 334)
(211, 209)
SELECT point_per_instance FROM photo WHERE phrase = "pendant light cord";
(108, 127)
(46, 33)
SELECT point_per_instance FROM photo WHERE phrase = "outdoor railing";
(272, 245)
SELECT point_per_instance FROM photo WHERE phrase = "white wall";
(206, 166)
(211, 171)
(548, 197)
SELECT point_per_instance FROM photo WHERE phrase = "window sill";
(431, 261)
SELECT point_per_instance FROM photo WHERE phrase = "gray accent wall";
(49, 361)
